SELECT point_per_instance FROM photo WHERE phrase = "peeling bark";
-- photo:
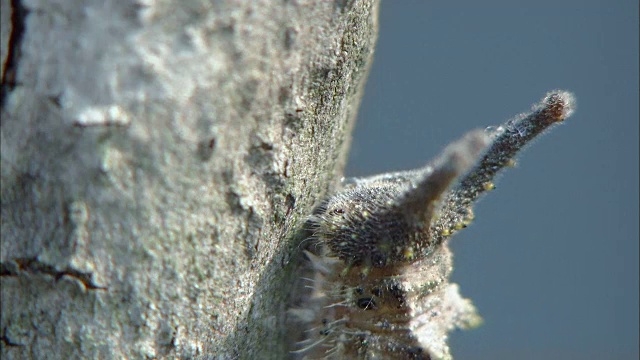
(157, 161)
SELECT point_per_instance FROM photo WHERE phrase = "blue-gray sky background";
(551, 260)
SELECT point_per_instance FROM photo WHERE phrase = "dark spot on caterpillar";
(338, 211)
(395, 290)
(367, 303)
(416, 353)
(378, 260)
(377, 292)
(359, 290)
(325, 332)
(363, 340)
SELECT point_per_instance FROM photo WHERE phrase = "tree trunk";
(157, 161)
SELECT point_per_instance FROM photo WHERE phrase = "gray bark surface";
(157, 161)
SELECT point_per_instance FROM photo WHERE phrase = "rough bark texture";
(157, 159)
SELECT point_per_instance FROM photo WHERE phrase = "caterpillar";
(377, 258)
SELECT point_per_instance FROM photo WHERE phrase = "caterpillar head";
(388, 219)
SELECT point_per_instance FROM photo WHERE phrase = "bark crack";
(18, 16)
(8, 342)
(32, 265)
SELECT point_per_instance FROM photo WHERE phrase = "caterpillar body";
(378, 260)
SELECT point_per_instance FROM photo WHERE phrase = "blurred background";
(551, 260)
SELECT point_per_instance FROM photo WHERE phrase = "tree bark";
(157, 161)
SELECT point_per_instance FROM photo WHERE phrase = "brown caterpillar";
(379, 261)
